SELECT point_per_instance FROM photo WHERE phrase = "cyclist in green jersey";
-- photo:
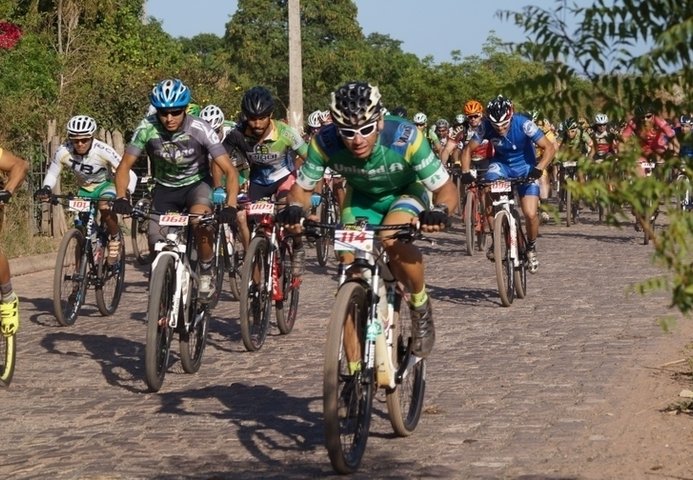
(16, 169)
(390, 172)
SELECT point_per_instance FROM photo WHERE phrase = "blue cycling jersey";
(515, 148)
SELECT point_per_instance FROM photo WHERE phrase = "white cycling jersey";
(92, 169)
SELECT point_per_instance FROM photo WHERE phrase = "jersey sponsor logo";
(404, 134)
(173, 153)
(530, 128)
(262, 154)
(370, 173)
(84, 168)
(425, 162)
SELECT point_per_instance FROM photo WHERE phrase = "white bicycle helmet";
(212, 115)
(314, 119)
(81, 126)
(420, 118)
(601, 119)
(355, 104)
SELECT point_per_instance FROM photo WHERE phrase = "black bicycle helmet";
(356, 104)
(643, 109)
(500, 110)
(257, 103)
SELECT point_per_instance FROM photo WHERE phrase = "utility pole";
(295, 113)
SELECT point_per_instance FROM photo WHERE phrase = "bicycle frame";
(503, 201)
(370, 268)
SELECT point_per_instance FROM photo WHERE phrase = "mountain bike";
(8, 356)
(228, 254)
(509, 241)
(139, 227)
(266, 277)
(173, 297)
(653, 205)
(368, 327)
(81, 262)
(568, 171)
(327, 212)
(475, 218)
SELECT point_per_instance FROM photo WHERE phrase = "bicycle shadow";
(465, 296)
(43, 310)
(120, 359)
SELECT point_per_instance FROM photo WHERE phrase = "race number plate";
(353, 240)
(173, 220)
(570, 164)
(647, 166)
(500, 186)
(77, 205)
(260, 208)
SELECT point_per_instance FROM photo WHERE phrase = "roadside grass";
(18, 237)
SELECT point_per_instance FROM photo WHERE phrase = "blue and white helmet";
(170, 93)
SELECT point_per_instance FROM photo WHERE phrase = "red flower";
(9, 35)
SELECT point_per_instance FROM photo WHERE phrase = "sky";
(425, 28)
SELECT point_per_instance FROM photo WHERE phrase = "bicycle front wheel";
(520, 272)
(322, 244)
(111, 282)
(8, 355)
(347, 395)
(504, 264)
(255, 304)
(287, 308)
(139, 228)
(162, 288)
(405, 401)
(470, 208)
(192, 342)
(70, 278)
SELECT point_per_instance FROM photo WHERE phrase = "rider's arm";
(446, 195)
(223, 162)
(122, 174)
(16, 169)
(549, 151)
(54, 169)
(448, 150)
(466, 160)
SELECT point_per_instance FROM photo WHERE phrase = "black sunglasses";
(173, 112)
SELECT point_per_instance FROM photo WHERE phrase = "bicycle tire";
(69, 278)
(139, 228)
(480, 225)
(219, 267)
(501, 251)
(158, 344)
(255, 301)
(568, 207)
(291, 289)
(8, 357)
(322, 244)
(346, 434)
(235, 262)
(405, 401)
(192, 343)
(111, 281)
(520, 272)
(469, 214)
(460, 197)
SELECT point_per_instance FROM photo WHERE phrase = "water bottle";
(315, 200)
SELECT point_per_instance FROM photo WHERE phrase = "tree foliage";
(628, 52)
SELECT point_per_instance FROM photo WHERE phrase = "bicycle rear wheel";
(470, 207)
(8, 354)
(347, 397)
(69, 278)
(520, 272)
(139, 228)
(192, 343)
(504, 265)
(405, 401)
(568, 208)
(111, 281)
(235, 262)
(255, 301)
(162, 288)
(287, 308)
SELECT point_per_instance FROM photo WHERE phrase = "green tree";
(629, 52)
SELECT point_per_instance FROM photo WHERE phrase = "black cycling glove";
(43, 193)
(535, 173)
(228, 215)
(5, 196)
(438, 215)
(467, 178)
(291, 215)
(122, 206)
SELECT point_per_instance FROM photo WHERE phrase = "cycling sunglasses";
(365, 131)
(474, 116)
(173, 112)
